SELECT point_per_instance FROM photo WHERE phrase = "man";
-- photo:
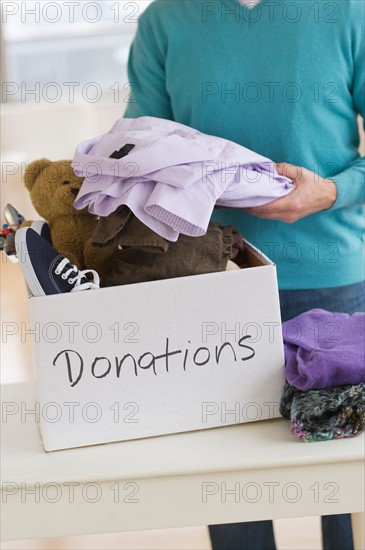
(285, 79)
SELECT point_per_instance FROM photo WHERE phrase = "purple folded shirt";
(172, 175)
(324, 349)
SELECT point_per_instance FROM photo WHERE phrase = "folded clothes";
(329, 413)
(188, 256)
(122, 228)
(171, 176)
(324, 349)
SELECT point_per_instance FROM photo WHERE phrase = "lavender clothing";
(324, 349)
(173, 176)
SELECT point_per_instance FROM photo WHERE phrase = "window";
(59, 50)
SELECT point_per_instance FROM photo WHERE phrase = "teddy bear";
(53, 187)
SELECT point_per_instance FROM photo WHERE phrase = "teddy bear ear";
(33, 170)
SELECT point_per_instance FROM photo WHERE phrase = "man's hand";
(310, 194)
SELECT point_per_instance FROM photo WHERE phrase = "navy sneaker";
(42, 228)
(45, 270)
(8, 245)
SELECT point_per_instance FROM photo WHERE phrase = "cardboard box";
(160, 357)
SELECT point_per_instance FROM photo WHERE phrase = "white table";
(240, 473)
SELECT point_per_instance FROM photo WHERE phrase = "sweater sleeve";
(351, 181)
(146, 72)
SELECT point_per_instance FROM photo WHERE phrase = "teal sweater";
(285, 79)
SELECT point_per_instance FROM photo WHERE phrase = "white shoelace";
(78, 276)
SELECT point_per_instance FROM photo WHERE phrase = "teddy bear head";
(53, 187)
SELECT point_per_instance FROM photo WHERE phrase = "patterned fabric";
(322, 414)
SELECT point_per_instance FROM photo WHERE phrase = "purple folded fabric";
(324, 349)
(171, 176)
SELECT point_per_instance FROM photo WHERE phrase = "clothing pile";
(171, 176)
(146, 256)
(324, 396)
(154, 183)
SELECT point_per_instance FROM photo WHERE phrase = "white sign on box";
(159, 357)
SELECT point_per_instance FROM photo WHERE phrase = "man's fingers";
(287, 217)
(289, 170)
(283, 204)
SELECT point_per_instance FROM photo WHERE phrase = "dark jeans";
(336, 529)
